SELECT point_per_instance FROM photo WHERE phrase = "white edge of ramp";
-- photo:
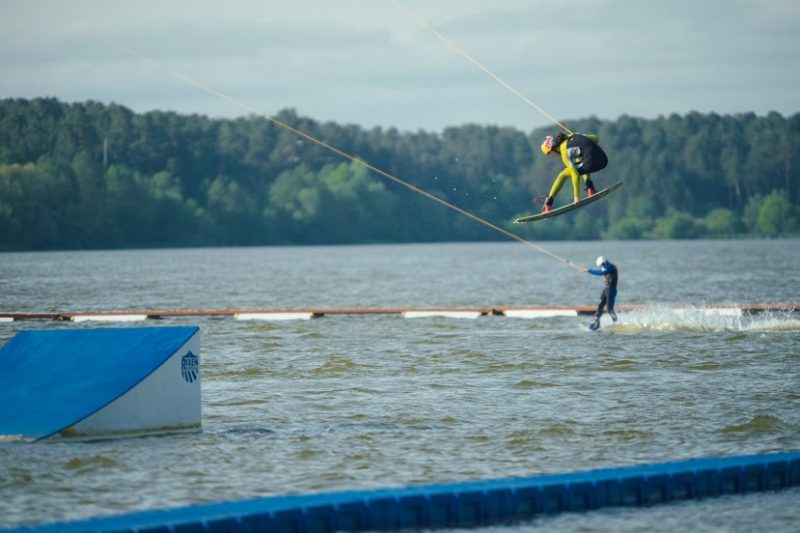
(108, 318)
(539, 313)
(274, 316)
(6, 319)
(168, 400)
(445, 314)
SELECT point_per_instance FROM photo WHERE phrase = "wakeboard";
(569, 207)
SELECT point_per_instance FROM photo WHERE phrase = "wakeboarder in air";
(581, 156)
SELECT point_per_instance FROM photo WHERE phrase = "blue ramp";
(53, 379)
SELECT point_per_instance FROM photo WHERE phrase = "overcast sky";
(365, 62)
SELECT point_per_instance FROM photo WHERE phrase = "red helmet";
(547, 145)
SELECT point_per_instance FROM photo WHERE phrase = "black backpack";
(586, 155)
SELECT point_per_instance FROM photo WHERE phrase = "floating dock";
(407, 312)
(485, 503)
(100, 382)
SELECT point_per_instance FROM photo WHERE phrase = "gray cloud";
(363, 61)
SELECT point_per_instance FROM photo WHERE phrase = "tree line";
(90, 175)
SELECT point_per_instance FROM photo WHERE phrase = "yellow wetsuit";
(570, 171)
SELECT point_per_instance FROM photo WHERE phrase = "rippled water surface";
(349, 402)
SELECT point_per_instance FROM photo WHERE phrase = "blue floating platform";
(470, 504)
(99, 382)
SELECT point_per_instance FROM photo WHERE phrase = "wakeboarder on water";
(607, 298)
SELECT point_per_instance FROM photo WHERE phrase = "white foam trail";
(710, 319)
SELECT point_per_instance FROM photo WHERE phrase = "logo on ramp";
(190, 367)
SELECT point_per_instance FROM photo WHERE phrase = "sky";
(365, 62)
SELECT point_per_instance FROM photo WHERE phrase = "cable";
(416, 18)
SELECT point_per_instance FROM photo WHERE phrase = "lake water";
(352, 402)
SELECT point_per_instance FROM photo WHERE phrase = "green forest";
(96, 176)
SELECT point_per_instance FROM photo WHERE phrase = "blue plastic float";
(471, 504)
